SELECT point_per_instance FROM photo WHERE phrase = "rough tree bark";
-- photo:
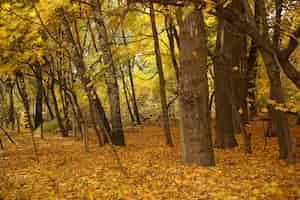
(25, 100)
(94, 101)
(162, 87)
(195, 127)
(117, 132)
(223, 64)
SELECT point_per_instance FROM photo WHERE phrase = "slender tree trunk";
(162, 87)
(130, 64)
(79, 117)
(195, 127)
(11, 112)
(251, 72)
(24, 96)
(93, 117)
(276, 37)
(237, 117)
(60, 81)
(38, 118)
(105, 127)
(251, 79)
(46, 99)
(134, 100)
(76, 116)
(18, 123)
(82, 125)
(170, 33)
(117, 132)
(57, 112)
(1, 144)
(81, 68)
(126, 96)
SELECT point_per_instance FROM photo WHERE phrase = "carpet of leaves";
(155, 171)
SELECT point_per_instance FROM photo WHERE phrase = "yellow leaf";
(264, 110)
(235, 68)
(194, 53)
(241, 111)
(6, 6)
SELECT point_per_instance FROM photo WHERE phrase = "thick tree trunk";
(270, 58)
(117, 132)
(224, 117)
(162, 87)
(279, 117)
(195, 127)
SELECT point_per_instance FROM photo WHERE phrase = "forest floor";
(155, 171)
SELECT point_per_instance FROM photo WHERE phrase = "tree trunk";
(76, 111)
(270, 58)
(117, 132)
(57, 112)
(46, 99)
(195, 127)
(130, 64)
(162, 87)
(170, 33)
(224, 117)
(251, 79)
(81, 68)
(279, 118)
(94, 122)
(24, 96)
(134, 101)
(11, 112)
(38, 118)
(1, 145)
(126, 96)
(101, 114)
